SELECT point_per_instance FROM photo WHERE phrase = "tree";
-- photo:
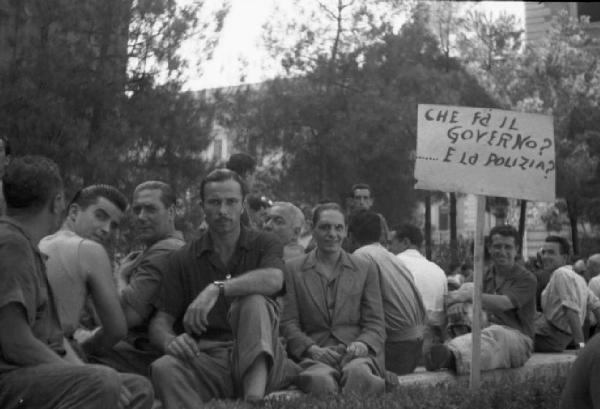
(352, 118)
(96, 86)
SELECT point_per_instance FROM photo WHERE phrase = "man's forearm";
(31, 352)
(575, 325)
(265, 281)
(496, 302)
(161, 331)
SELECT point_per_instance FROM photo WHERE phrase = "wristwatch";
(221, 285)
(581, 345)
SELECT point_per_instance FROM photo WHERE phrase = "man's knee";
(102, 377)
(317, 384)
(139, 387)
(162, 370)
(250, 303)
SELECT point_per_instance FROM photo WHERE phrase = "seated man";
(139, 277)
(405, 315)
(218, 319)
(79, 267)
(333, 316)
(565, 301)
(34, 371)
(509, 300)
(430, 279)
(286, 221)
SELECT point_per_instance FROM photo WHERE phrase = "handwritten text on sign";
(485, 151)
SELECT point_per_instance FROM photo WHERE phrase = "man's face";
(223, 206)
(362, 199)
(280, 223)
(330, 231)
(98, 222)
(503, 250)
(551, 256)
(153, 221)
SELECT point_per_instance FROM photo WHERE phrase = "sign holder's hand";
(326, 355)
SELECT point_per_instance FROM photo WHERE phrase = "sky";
(240, 40)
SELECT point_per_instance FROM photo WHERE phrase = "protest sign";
(486, 152)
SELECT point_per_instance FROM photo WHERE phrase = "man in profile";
(140, 278)
(429, 278)
(35, 371)
(566, 301)
(218, 317)
(286, 221)
(405, 315)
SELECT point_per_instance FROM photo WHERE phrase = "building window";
(591, 9)
(444, 217)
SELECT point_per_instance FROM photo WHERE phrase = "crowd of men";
(245, 308)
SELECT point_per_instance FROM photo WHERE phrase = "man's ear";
(57, 204)
(73, 211)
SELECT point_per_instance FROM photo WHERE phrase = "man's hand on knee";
(326, 355)
(357, 349)
(195, 320)
(125, 397)
(183, 347)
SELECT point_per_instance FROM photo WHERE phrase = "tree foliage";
(557, 76)
(96, 86)
(350, 116)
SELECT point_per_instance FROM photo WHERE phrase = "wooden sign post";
(487, 152)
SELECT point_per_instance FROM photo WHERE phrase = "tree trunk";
(453, 234)
(522, 217)
(428, 225)
(573, 211)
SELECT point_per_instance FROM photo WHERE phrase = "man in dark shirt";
(35, 370)
(509, 301)
(217, 319)
(139, 277)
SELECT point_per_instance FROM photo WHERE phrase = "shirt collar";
(311, 260)
(412, 253)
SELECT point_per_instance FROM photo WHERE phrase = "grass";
(531, 394)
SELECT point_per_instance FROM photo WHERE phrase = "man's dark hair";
(365, 226)
(361, 186)
(410, 232)
(167, 196)
(505, 230)
(563, 244)
(241, 163)
(89, 195)
(29, 183)
(221, 175)
(326, 206)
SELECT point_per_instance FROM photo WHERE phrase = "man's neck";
(68, 225)
(328, 259)
(225, 240)
(502, 271)
(36, 227)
